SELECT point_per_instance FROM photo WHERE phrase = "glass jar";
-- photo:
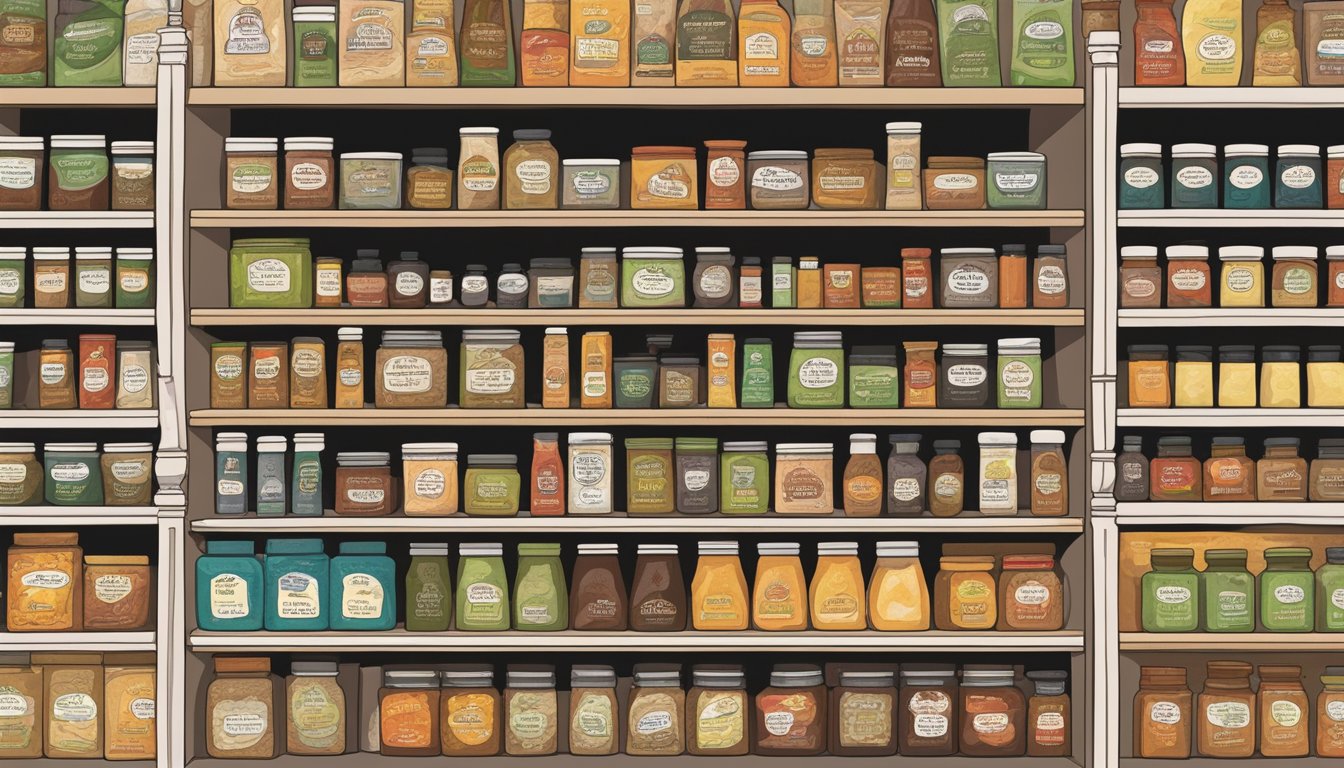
(993, 712)
(1287, 590)
(1229, 475)
(531, 711)
(93, 277)
(1170, 592)
(492, 485)
(1131, 471)
(21, 157)
(1327, 471)
(133, 176)
(718, 711)
(1334, 259)
(744, 478)
(1297, 172)
(599, 278)
(778, 180)
(926, 710)
(1325, 376)
(1225, 721)
(1162, 714)
(1330, 592)
(1228, 590)
(1017, 180)
(816, 370)
(1330, 714)
(310, 171)
(1175, 473)
(1284, 720)
(429, 180)
(725, 174)
(470, 712)
(1050, 286)
(1293, 283)
(1140, 277)
(1049, 714)
(593, 710)
(1246, 182)
(1020, 381)
(1193, 387)
(1141, 183)
(656, 712)
(1148, 373)
(1280, 376)
(314, 54)
(791, 712)
(1236, 376)
(408, 281)
(251, 170)
(965, 593)
(1031, 594)
(1189, 282)
(714, 282)
(964, 376)
(370, 181)
(863, 714)
(77, 179)
(663, 178)
(1194, 176)
(1281, 475)
(1243, 276)
(531, 168)
(591, 183)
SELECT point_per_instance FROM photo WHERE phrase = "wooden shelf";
(1220, 317)
(642, 642)
(680, 417)
(546, 317)
(79, 419)
(642, 524)
(1231, 418)
(1218, 642)
(1228, 513)
(68, 516)
(1136, 97)
(76, 219)
(37, 642)
(370, 760)
(205, 219)
(1194, 218)
(82, 317)
(717, 98)
(80, 98)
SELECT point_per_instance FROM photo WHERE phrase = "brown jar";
(1140, 277)
(718, 711)
(310, 178)
(245, 688)
(926, 710)
(1293, 281)
(56, 387)
(1330, 714)
(1189, 280)
(791, 712)
(317, 709)
(947, 479)
(1281, 475)
(1334, 259)
(844, 179)
(594, 714)
(364, 484)
(1031, 596)
(658, 598)
(863, 714)
(429, 180)
(1162, 714)
(408, 713)
(725, 175)
(250, 170)
(1229, 475)
(531, 172)
(132, 181)
(597, 599)
(917, 278)
(21, 157)
(308, 373)
(656, 713)
(531, 712)
(1225, 723)
(1284, 712)
(1327, 472)
(469, 712)
(993, 712)
(1049, 716)
(1175, 474)
(408, 281)
(51, 277)
(1050, 288)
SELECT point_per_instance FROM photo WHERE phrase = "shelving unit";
(1322, 317)
(1224, 642)
(76, 219)
(45, 642)
(1230, 417)
(79, 317)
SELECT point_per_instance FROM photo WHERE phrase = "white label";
(482, 593)
(365, 495)
(905, 489)
(1050, 280)
(512, 284)
(587, 468)
(328, 282)
(953, 182)
(134, 379)
(723, 172)
(775, 178)
(1228, 714)
(667, 187)
(228, 596)
(779, 723)
(1017, 378)
(818, 373)
(1140, 177)
(1194, 177)
(307, 176)
(1298, 176)
(229, 488)
(653, 722)
(14, 705)
(74, 708)
(1245, 177)
(1159, 46)
(990, 722)
(361, 597)
(1337, 598)
(1188, 279)
(475, 284)
(1016, 182)
(652, 283)
(1165, 712)
(1285, 713)
(440, 290)
(45, 579)
(965, 281)
(268, 276)
(534, 176)
(1032, 593)
(407, 374)
(429, 484)
(1240, 279)
(112, 588)
(930, 726)
(143, 709)
(307, 364)
(1289, 593)
(489, 381)
(244, 724)
(70, 473)
(12, 474)
(761, 45)
(95, 280)
(1044, 30)
(1217, 47)
(696, 479)
(95, 379)
(1335, 710)
(10, 281)
(716, 282)
(52, 373)
(297, 597)
(18, 172)
(1172, 595)
(813, 45)
(409, 283)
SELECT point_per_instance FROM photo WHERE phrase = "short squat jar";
(1194, 176)
(1297, 177)
(1141, 183)
(1246, 181)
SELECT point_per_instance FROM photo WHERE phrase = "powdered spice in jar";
(251, 174)
(408, 713)
(1229, 475)
(132, 176)
(863, 714)
(268, 382)
(778, 179)
(429, 181)
(492, 369)
(308, 373)
(74, 716)
(228, 386)
(791, 712)
(531, 714)
(21, 477)
(597, 599)
(412, 370)
(469, 717)
(97, 370)
(1283, 706)
(921, 374)
(1329, 714)
(964, 593)
(993, 712)
(1162, 714)
(1049, 715)
(1174, 472)
(1140, 277)
(655, 724)
(718, 711)
(310, 178)
(658, 595)
(117, 591)
(77, 178)
(364, 484)
(954, 183)
(429, 476)
(1188, 277)
(725, 175)
(51, 277)
(1049, 474)
(531, 171)
(129, 706)
(1225, 725)
(917, 278)
(45, 583)
(664, 178)
(93, 277)
(56, 375)
(240, 709)
(315, 709)
(593, 710)
(649, 476)
(1031, 597)
(844, 179)
(1148, 374)
(803, 478)
(1293, 282)
(926, 710)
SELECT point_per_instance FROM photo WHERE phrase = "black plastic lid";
(1052, 250)
(766, 342)
(511, 268)
(1014, 248)
(1147, 349)
(1133, 443)
(1334, 555)
(945, 447)
(409, 256)
(367, 253)
(549, 262)
(366, 265)
(1323, 353)
(475, 267)
(1195, 353)
(430, 151)
(532, 134)
(1282, 442)
(1281, 353)
(905, 438)
(1173, 441)
(1229, 441)
(1236, 353)
(751, 261)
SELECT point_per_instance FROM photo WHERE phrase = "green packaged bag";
(87, 47)
(1043, 43)
(968, 32)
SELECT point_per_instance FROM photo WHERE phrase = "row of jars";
(80, 176)
(93, 280)
(1294, 280)
(1298, 179)
(1225, 596)
(283, 275)
(1228, 474)
(76, 474)
(663, 475)
(844, 709)
(1155, 382)
(100, 373)
(290, 588)
(1231, 719)
(55, 587)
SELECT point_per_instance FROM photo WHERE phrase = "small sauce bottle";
(548, 476)
(863, 478)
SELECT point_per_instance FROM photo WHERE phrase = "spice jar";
(127, 470)
(917, 278)
(57, 376)
(836, 593)
(863, 714)
(482, 601)
(1228, 474)
(655, 721)
(697, 474)
(1049, 474)
(591, 183)
(1020, 382)
(653, 277)
(1246, 183)
(779, 179)
(21, 157)
(364, 484)
(844, 179)
(1283, 721)
(1049, 716)
(1293, 283)
(969, 278)
(475, 287)
(77, 179)
(947, 479)
(1325, 376)
(593, 710)
(779, 595)
(1050, 288)
(1141, 183)
(429, 477)
(663, 178)
(1194, 176)
(874, 377)
(718, 711)
(531, 722)
(1031, 596)
(1188, 276)
(993, 712)
(134, 278)
(658, 600)
(1162, 714)
(1329, 732)
(907, 477)
(1193, 386)
(1280, 371)
(492, 485)
(1298, 177)
(719, 598)
(241, 703)
(370, 180)
(998, 473)
(714, 283)
(13, 275)
(954, 183)
(133, 176)
(803, 478)
(1170, 592)
(1334, 259)
(1174, 473)
(531, 167)
(429, 181)
(314, 53)
(366, 284)
(597, 599)
(1243, 278)
(310, 178)
(317, 709)
(551, 282)
(1148, 374)
(1281, 475)
(408, 713)
(1225, 726)
(1017, 180)
(1012, 276)
(1327, 474)
(725, 173)
(470, 721)
(1140, 277)
(817, 370)
(791, 714)
(1236, 376)
(598, 278)
(1287, 589)
(93, 277)
(250, 167)
(926, 710)
(964, 593)
(540, 598)
(21, 477)
(904, 192)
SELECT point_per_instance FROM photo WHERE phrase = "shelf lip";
(1140, 97)
(1229, 417)
(77, 641)
(214, 218)
(76, 219)
(639, 524)
(570, 640)
(83, 98)
(1063, 318)
(1063, 417)
(54, 515)
(1191, 217)
(80, 419)
(1231, 641)
(1178, 513)
(1219, 317)
(718, 98)
(110, 317)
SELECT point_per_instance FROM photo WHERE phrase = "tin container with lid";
(1194, 176)
(591, 183)
(132, 175)
(1297, 175)
(954, 183)
(370, 180)
(78, 179)
(1242, 282)
(310, 172)
(969, 278)
(964, 376)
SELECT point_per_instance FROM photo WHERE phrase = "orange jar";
(1189, 280)
(1334, 177)
(917, 278)
(1334, 259)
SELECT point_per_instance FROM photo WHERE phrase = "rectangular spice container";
(46, 584)
(118, 592)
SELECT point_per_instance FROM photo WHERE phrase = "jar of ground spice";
(714, 282)
(411, 370)
(128, 474)
(364, 484)
(13, 276)
(316, 706)
(531, 171)
(22, 721)
(863, 714)
(97, 370)
(470, 722)
(778, 179)
(408, 713)
(56, 377)
(954, 183)
(135, 278)
(20, 475)
(664, 178)
(1031, 596)
(78, 177)
(926, 710)
(598, 278)
(93, 277)
(597, 599)
(791, 712)
(1189, 281)
(531, 714)
(370, 180)
(593, 710)
(1050, 288)
(1141, 176)
(1297, 173)
(251, 174)
(993, 712)
(970, 278)
(1293, 282)
(697, 471)
(133, 176)
(117, 591)
(591, 183)
(1162, 714)
(1140, 277)
(549, 284)
(51, 277)
(408, 281)
(429, 181)
(1334, 282)
(718, 711)
(310, 173)
(655, 722)
(963, 380)
(21, 165)
(1194, 176)
(844, 179)
(725, 175)
(241, 709)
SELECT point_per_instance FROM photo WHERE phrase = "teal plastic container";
(297, 579)
(228, 587)
(363, 594)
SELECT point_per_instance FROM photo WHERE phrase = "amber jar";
(408, 281)
(725, 175)
(366, 282)
(1189, 279)
(926, 710)
(964, 593)
(1162, 714)
(718, 711)
(993, 712)
(594, 712)
(1049, 716)
(1334, 259)
(1330, 714)
(1229, 475)
(791, 712)
(364, 484)
(1225, 724)
(1174, 473)
(250, 172)
(1031, 595)
(429, 181)
(310, 178)
(1281, 475)
(1140, 277)
(408, 713)
(469, 712)
(531, 172)
(328, 279)
(863, 714)
(1284, 712)
(844, 179)
(1327, 475)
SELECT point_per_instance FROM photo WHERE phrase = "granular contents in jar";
(655, 724)
(240, 718)
(316, 712)
(531, 722)
(116, 592)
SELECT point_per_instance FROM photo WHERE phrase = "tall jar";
(310, 172)
(725, 175)
(1288, 590)
(1330, 714)
(1141, 176)
(1224, 722)
(1298, 177)
(1162, 714)
(1284, 721)
(531, 172)
(993, 712)
(1140, 277)
(478, 169)
(1228, 588)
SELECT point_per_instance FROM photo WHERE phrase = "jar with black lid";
(963, 379)
(408, 281)
(714, 280)
(926, 710)
(475, 287)
(1131, 471)
(511, 287)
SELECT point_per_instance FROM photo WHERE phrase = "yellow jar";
(664, 178)
(1243, 276)
(1280, 377)
(1194, 377)
(1236, 377)
(1325, 377)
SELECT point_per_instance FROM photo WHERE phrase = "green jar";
(758, 374)
(1227, 592)
(314, 56)
(1287, 590)
(271, 273)
(1170, 592)
(429, 602)
(491, 485)
(874, 378)
(93, 277)
(781, 282)
(653, 277)
(1016, 180)
(13, 276)
(1019, 373)
(77, 177)
(817, 370)
(135, 278)
(74, 476)
(6, 375)
(482, 588)
(1330, 592)
(540, 597)
(636, 379)
(744, 478)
